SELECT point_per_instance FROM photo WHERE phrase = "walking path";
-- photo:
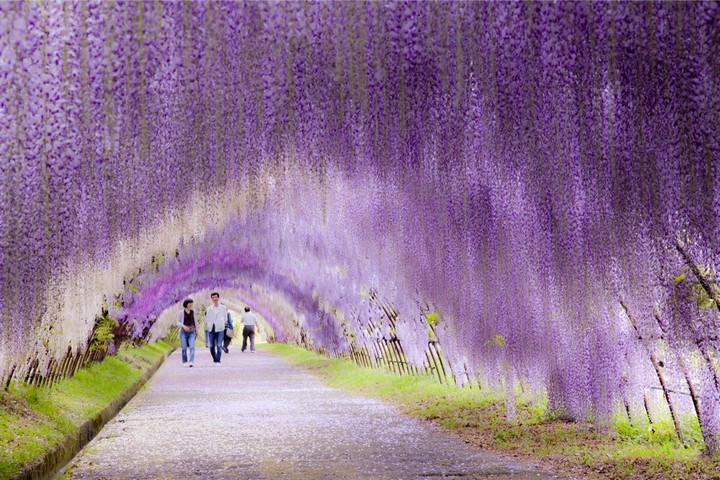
(256, 417)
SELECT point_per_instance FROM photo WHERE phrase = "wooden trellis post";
(658, 372)
(9, 378)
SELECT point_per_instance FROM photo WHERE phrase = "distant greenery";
(625, 451)
(33, 419)
(103, 333)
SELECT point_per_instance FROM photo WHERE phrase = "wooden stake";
(658, 371)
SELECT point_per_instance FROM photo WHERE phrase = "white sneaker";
(185, 364)
(217, 364)
(190, 364)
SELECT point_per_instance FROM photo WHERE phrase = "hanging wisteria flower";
(538, 178)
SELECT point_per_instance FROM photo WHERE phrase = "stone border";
(60, 454)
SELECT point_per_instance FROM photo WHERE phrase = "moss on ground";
(623, 451)
(33, 420)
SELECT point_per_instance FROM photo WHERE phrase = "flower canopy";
(541, 177)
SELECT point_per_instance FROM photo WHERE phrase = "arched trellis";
(306, 322)
(316, 326)
(542, 181)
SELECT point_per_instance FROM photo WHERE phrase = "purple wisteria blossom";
(540, 177)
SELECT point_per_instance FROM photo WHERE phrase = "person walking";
(249, 321)
(229, 333)
(188, 330)
(215, 319)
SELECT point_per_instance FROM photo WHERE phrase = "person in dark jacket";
(188, 330)
(229, 333)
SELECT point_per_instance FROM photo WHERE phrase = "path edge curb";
(58, 456)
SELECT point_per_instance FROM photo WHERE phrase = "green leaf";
(679, 278)
(430, 334)
(706, 302)
(704, 271)
(496, 341)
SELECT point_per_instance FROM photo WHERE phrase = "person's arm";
(181, 320)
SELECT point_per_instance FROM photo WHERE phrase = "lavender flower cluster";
(543, 178)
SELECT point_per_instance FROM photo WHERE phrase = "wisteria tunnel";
(495, 193)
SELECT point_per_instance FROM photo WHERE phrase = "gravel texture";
(256, 417)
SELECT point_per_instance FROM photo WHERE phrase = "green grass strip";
(33, 420)
(622, 451)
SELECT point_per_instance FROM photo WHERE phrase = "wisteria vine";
(541, 177)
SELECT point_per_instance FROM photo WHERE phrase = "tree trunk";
(510, 410)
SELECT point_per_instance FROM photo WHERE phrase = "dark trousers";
(249, 331)
(226, 342)
(216, 340)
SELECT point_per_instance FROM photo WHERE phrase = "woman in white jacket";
(188, 329)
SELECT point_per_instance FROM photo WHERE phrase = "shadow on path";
(256, 417)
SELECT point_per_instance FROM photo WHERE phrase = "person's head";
(215, 296)
(247, 309)
(188, 304)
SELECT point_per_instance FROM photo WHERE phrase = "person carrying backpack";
(229, 333)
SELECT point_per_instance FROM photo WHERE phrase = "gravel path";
(256, 417)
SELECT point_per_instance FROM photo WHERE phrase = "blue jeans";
(187, 339)
(216, 342)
